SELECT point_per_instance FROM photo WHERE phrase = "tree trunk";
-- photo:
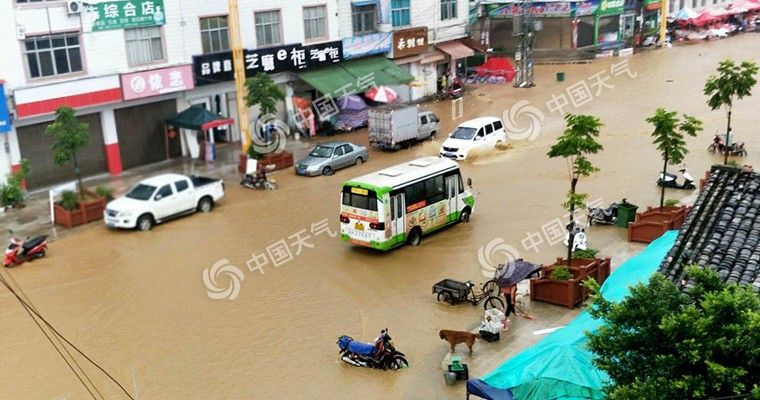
(728, 137)
(662, 187)
(78, 174)
(571, 235)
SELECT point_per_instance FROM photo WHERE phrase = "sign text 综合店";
(409, 42)
(126, 14)
(138, 85)
(607, 7)
(217, 67)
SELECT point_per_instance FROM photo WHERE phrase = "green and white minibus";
(398, 205)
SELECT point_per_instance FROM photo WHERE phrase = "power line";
(65, 349)
(55, 331)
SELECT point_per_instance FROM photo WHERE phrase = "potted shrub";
(12, 193)
(562, 283)
(69, 136)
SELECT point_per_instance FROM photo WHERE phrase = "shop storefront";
(143, 138)
(561, 25)
(607, 23)
(214, 77)
(651, 28)
(409, 46)
(35, 108)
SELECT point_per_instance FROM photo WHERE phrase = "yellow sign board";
(360, 191)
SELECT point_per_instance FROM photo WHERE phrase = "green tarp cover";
(195, 117)
(356, 76)
(560, 366)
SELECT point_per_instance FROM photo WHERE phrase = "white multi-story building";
(126, 66)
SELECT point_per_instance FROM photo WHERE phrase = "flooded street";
(136, 302)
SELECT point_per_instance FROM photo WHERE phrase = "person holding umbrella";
(507, 278)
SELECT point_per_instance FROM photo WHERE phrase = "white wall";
(105, 51)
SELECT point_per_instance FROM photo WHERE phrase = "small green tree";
(669, 137)
(263, 92)
(69, 135)
(733, 82)
(662, 343)
(578, 141)
(12, 191)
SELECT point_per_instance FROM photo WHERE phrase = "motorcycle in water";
(579, 239)
(380, 354)
(604, 216)
(260, 179)
(30, 250)
(671, 180)
(734, 149)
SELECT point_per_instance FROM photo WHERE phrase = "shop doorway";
(142, 133)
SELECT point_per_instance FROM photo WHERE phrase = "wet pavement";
(136, 302)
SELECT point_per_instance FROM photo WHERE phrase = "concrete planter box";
(569, 293)
(88, 211)
(653, 222)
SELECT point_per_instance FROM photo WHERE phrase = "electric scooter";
(30, 250)
(670, 180)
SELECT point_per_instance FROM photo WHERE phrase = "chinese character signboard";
(127, 14)
(5, 116)
(409, 42)
(611, 7)
(217, 67)
(155, 82)
(366, 45)
(546, 9)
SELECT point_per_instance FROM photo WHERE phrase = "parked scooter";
(579, 237)
(29, 250)
(379, 354)
(260, 179)
(604, 216)
(670, 180)
(734, 149)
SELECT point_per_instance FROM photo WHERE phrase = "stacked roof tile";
(722, 231)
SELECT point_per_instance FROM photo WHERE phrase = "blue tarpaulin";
(560, 366)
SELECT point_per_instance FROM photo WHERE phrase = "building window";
(32, 1)
(267, 28)
(400, 13)
(364, 19)
(315, 22)
(448, 9)
(52, 55)
(214, 34)
(693, 4)
(144, 45)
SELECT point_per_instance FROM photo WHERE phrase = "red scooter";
(30, 250)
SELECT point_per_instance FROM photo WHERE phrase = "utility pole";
(524, 56)
(239, 68)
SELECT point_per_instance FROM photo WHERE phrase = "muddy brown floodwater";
(137, 304)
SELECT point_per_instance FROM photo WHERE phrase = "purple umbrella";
(515, 271)
(351, 102)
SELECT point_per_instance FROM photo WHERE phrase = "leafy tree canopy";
(664, 343)
(731, 82)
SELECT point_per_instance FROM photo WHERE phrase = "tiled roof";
(722, 231)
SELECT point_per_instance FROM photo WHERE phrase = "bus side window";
(461, 185)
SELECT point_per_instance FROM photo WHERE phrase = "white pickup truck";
(160, 198)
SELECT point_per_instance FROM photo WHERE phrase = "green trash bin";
(560, 76)
(626, 213)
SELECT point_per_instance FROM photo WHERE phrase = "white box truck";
(397, 126)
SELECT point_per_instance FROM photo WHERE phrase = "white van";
(478, 133)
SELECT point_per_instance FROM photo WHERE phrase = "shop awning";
(356, 76)
(455, 49)
(359, 3)
(198, 118)
(431, 57)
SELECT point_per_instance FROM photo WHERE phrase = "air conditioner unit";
(74, 7)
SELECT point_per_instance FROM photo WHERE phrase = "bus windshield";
(463, 133)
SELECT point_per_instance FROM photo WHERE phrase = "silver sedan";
(326, 158)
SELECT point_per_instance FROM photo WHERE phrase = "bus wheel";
(414, 237)
(465, 215)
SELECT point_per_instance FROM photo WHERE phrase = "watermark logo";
(495, 252)
(269, 134)
(523, 121)
(212, 275)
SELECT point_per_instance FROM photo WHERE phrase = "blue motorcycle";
(380, 353)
